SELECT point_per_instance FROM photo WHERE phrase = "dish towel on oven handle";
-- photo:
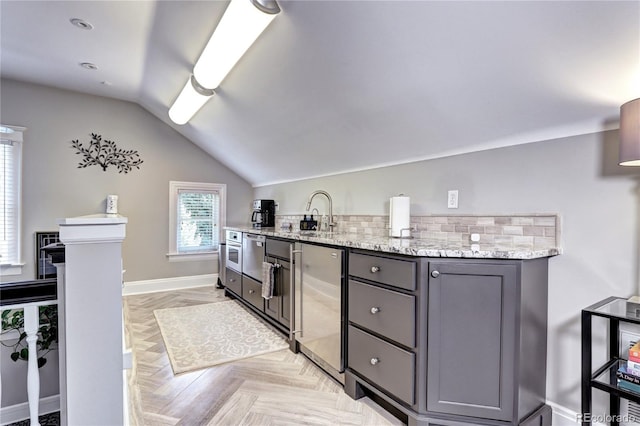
(268, 279)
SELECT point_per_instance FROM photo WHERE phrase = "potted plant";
(13, 321)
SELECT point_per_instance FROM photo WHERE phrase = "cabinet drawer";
(382, 363)
(252, 292)
(395, 272)
(278, 248)
(385, 312)
(233, 281)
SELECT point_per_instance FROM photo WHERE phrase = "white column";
(93, 319)
(62, 343)
(31, 324)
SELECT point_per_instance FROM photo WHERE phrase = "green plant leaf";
(15, 356)
(41, 362)
(24, 353)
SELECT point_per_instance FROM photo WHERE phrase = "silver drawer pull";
(435, 274)
(375, 269)
(375, 310)
(374, 361)
(251, 291)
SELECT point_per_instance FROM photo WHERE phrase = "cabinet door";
(472, 339)
(278, 306)
(272, 306)
(284, 287)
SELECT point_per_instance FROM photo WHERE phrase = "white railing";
(31, 326)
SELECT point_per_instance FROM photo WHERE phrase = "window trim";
(15, 136)
(174, 188)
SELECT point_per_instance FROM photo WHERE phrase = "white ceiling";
(335, 86)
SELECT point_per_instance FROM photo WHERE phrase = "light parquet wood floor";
(280, 388)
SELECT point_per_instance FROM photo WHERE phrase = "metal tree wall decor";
(105, 153)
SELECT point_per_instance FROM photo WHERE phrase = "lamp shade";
(241, 24)
(630, 133)
(189, 101)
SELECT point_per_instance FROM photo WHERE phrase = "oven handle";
(292, 293)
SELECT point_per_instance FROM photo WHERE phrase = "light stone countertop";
(410, 247)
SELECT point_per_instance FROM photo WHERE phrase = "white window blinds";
(198, 225)
(196, 218)
(10, 180)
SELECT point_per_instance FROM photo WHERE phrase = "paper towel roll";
(399, 216)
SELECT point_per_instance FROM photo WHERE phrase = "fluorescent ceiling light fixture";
(189, 101)
(630, 133)
(240, 26)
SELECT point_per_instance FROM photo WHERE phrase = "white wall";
(53, 186)
(577, 177)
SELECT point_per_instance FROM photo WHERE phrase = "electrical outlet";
(452, 199)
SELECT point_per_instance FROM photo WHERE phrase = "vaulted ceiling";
(334, 86)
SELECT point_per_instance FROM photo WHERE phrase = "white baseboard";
(166, 284)
(15, 413)
(562, 416)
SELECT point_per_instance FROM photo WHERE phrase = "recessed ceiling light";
(89, 66)
(81, 23)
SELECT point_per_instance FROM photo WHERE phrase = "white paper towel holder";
(402, 230)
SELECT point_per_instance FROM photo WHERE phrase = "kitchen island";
(451, 334)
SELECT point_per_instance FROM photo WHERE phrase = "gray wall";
(53, 186)
(577, 177)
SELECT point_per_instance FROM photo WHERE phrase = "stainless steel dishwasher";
(253, 255)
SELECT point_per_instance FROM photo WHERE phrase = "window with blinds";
(196, 219)
(198, 227)
(10, 180)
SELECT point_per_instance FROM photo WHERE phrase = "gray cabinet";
(472, 339)
(386, 312)
(384, 363)
(233, 281)
(382, 334)
(396, 272)
(470, 349)
(487, 328)
(252, 292)
(278, 307)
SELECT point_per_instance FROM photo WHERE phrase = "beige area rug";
(201, 336)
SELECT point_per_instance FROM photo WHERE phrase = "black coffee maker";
(264, 213)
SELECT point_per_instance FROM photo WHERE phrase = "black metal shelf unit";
(614, 309)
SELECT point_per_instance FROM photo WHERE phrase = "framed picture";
(44, 268)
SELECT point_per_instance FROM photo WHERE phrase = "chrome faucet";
(326, 194)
